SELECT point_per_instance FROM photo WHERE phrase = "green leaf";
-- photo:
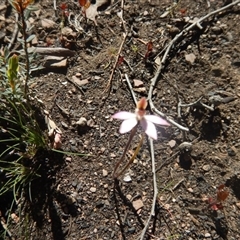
(13, 67)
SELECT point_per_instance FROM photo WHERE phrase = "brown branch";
(59, 52)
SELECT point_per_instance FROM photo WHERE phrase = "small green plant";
(21, 137)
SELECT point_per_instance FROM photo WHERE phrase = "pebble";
(190, 58)
(172, 143)
(82, 121)
(127, 178)
(68, 159)
(206, 167)
(207, 235)
(105, 173)
(93, 189)
(137, 83)
(137, 204)
(231, 151)
(74, 183)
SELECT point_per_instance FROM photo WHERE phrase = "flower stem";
(27, 67)
(131, 159)
(133, 132)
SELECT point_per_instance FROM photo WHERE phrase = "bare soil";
(75, 197)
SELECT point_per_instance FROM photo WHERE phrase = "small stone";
(64, 125)
(79, 82)
(137, 83)
(127, 178)
(132, 230)
(47, 23)
(140, 90)
(68, 159)
(15, 218)
(206, 167)
(232, 151)
(74, 183)
(145, 13)
(105, 173)
(216, 30)
(35, 41)
(90, 123)
(172, 143)
(82, 121)
(55, 62)
(137, 204)
(190, 58)
(207, 235)
(93, 189)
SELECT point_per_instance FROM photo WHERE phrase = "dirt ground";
(75, 197)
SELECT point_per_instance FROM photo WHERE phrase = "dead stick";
(116, 63)
(59, 52)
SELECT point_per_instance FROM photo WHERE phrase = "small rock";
(137, 204)
(216, 30)
(55, 62)
(206, 167)
(72, 141)
(105, 173)
(172, 143)
(74, 183)
(190, 58)
(137, 83)
(35, 41)
(90, 123)
(82, 121)
(140, 90)
(64, 125)
(232, 151)
(207, 235)
(79, 82)
(127, 178)
(47, 23)
(93, 189)
(68, 159)
(15, 218)
(132, 230)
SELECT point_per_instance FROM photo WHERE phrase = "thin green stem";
(24, 26)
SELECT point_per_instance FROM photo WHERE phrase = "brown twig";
(59, 52)
(115, 64)
(108, 88)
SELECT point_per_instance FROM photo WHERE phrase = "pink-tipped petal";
(128, 125)
(149, 128)
(123, 115)
(156, 119)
